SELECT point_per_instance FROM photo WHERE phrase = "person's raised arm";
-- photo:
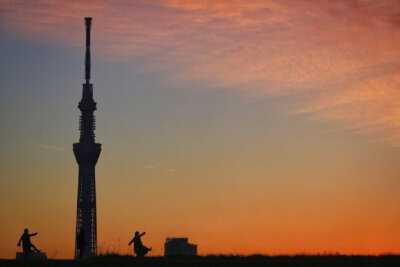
(142, 234)
(33, 234)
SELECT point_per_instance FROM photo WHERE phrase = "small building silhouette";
(179, 246)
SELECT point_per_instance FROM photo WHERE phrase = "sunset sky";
(263, 126)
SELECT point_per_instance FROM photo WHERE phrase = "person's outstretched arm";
(142, 234)
(33, 234)
(19, 242)
(130, 242)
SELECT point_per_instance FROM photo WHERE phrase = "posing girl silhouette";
(26, 242)
(138, 247)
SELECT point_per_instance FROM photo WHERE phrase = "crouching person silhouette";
(26, 242)
(138, 247)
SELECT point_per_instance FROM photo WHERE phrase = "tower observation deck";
(86, 152)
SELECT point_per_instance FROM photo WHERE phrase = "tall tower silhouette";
(86, 153)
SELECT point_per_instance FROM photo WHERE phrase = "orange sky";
(274, 127)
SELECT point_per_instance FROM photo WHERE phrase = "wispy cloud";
(44, 146)
(149, 167)
(171, 170)
(339, 59)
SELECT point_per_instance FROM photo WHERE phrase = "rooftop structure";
(179, 246)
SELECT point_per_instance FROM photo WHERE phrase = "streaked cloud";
(45, 146)
(337, 59)
(149, 167)
(171, 170)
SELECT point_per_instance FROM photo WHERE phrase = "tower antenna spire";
(88, 22)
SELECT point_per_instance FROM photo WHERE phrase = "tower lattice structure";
(87, 152)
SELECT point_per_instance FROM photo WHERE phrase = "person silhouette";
(80, 242)
(26, 242)
(138, 247)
